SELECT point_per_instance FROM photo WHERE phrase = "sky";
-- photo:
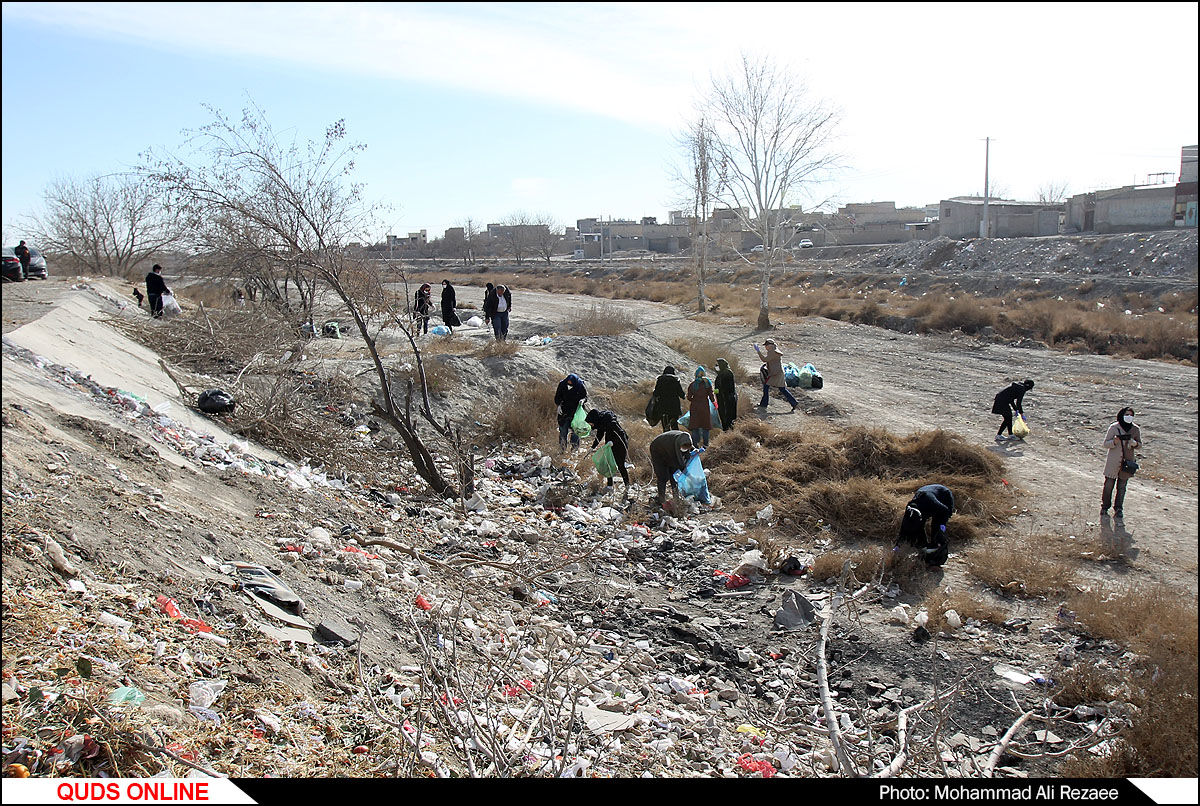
(574, 110)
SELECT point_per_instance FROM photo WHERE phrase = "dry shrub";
(1085, 683)
(1022, 566)
(528, 411)
(628, 402)
(967, 315)
(499, 349)
(439, 376)
(857, 508)
(966, 604)
(705, 353)
(603, 320)
(829, 565)
(1159, 624)
(866, 564)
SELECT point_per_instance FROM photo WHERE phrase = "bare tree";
(293, 207)
(771, 141)
(107, 223)
(1053, 192)
(470, 235)
(700, 180)
(546, 236)
(516, 235)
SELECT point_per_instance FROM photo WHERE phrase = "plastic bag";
(440, 330)
(714, 415)
(685, 420)
(605, 462)
(1020, 428)
(215, 401)
(170, 306)
(652, 411)
(692, 481)
(792, 375)
(579, 424)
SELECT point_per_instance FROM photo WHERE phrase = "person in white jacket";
(1121, 440)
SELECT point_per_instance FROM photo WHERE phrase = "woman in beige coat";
(1122, 437)
(774, 376)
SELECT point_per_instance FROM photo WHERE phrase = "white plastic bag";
(170, 306)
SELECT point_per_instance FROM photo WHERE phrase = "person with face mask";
(1120, 465)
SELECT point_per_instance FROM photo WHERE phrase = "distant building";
(1185, 191)
(882, 213)
(962, 217)
(597, 236)
(1124, 209)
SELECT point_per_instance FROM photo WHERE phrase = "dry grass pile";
(499, 349)
(856, 480)
(705, 354)
(529, 414)
(1029, 566)
(1160, 625)
(603, 320)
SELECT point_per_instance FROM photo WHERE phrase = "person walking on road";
(568, 396)
(156, 286)
(669, 451)
(773, 375)
(1007, 401)
(726, 389)
(1119, 465)
(667, 396)
(700, 395)
(608, 429)
(449, 315)
(424, 307)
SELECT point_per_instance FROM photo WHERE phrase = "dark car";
(12, 266)
(37, 265)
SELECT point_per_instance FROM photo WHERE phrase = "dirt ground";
(124, 497)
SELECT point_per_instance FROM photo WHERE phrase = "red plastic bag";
(750, 764)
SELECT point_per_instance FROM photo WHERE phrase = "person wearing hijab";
(700, 394)
(932, 504)
(773, 377)
(488, 292)
(668, 392)
(607, 428)
(449, 316)
(726, 390)
(1006, 402)
(424, 306)
(570, 393)
(669, 451)
(1119, 466)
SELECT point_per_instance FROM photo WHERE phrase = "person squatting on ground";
(1006, 402)
(700, 393)
(496, 309)
(1122, 437)
(669, 452)
(449, 316)
(424, 307)
(932, 504)
(568, 396)
(774, 377)
(156, 286)
(608, 429)
(668, 392)
(726, 389)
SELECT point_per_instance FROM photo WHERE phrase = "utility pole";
(984, 230)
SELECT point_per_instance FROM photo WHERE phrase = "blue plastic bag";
(685, 420)
(440, 330)
(692, 481)
(715, 415)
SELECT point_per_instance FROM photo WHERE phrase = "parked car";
(12, 266)
(805, 243)
(37, 265)
(758, 248)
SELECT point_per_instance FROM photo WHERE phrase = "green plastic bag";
(579, 425)
(605, 462)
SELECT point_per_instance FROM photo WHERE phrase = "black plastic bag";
(216, 401)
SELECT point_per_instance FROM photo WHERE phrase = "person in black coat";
(726, 389)
(668, 393)
(449, 316)
(424, 307)
(496, 307)
(488, 305)
(22, 253)
(607, 428)
(570, 393)
(932, 504)
(156, 286)
(1006, 402)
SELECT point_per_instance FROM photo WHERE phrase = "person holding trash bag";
(932, 504)
(1007, 401)
(700, 394)
(669, 451)
(774, 377)
(156, 286)
(1120, 465)
(726, 389)
(449, 316)
(607, 429)
(424, 306)
(568, 396)
(668, 392)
